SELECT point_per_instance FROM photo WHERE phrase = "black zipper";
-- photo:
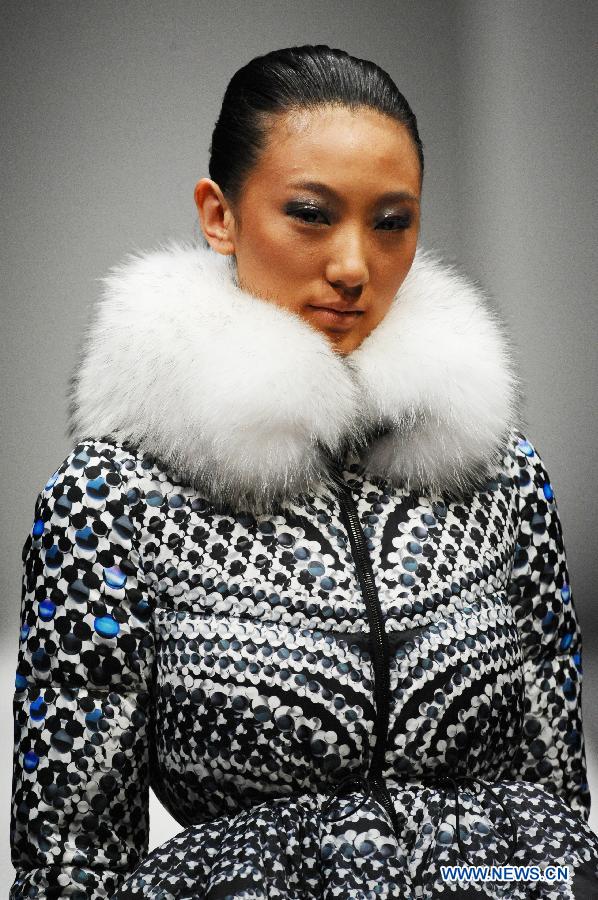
(378, 640)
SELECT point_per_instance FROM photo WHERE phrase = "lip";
(335, 307)
(328, 315)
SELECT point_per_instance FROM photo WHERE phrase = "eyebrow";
(320, 188)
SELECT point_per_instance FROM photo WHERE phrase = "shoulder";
(86, 533)
(526, 465)
(93, 468)
(109, 484)
(94, 486)
(537, 510)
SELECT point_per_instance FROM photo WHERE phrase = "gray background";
(108, 109)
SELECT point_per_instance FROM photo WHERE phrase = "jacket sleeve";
(80, 786)
(552, 749)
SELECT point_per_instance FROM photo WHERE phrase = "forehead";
(338, 143)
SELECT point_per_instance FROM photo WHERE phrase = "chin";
(343, 348)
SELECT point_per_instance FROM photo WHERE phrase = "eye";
(308, 214)
(395, 223)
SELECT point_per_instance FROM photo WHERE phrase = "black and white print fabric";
(221, 658)
(194, 615)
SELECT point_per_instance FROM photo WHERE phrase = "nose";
(347, 268)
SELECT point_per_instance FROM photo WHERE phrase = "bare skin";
(304, 248)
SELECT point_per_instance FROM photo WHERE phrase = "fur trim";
(246, 402)
(439, 370)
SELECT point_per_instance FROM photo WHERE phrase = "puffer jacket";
(267, 579)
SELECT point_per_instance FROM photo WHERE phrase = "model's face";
(329, 217)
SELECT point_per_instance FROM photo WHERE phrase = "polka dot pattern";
(223, 658)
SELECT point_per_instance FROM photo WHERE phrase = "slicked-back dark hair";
(293, 78)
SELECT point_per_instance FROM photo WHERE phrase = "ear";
(215, 216)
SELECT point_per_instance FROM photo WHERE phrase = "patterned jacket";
(263, 566)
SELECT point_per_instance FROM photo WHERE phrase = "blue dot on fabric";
(565, 593)
(81, 459)
(35, 709)
(262, 714)
(30, 761)
(46, 609)
(524, 478)
(20, 682)
(267, 527)
(548, 492)
(114, 577)
(142, 610)
(414, 547)
(106, 626)
(566, 641)
(83, 536)
(569, 689)
(51, 481)
(97, 487)
(53, 557)
(38, 528)
(526, 448)
(366, 848)
(445, 836)
(24, 632)
(92, 717)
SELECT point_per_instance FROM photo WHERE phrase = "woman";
(302, 571)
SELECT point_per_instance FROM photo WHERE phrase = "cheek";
(271, 261)
(391, 276)
(281, 281)
(405, 256)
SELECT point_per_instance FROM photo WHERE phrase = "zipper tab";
(380, 792)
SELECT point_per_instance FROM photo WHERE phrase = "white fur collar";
(244, 400)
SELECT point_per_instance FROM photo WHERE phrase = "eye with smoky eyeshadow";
(302, 210)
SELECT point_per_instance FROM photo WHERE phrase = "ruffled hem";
(285, 849)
